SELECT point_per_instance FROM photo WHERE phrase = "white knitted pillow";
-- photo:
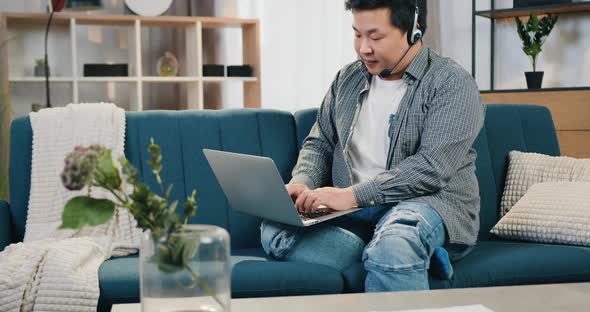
(526, 169)
(553, 212)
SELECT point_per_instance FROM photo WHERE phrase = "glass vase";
(167, 65)
(195, 276)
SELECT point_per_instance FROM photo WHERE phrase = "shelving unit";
(192, 81)
(70, 86)
(494, 14)
(569, 106)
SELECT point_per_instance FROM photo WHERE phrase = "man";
(393, 134)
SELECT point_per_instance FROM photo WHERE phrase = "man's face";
(379, 44)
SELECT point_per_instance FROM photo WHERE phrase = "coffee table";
(548, 297)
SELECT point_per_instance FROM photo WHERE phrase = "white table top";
(550, 297)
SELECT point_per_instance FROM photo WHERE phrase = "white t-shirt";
(369, 145)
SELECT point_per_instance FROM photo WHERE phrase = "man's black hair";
(402, 11)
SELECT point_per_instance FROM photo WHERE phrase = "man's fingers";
(301, 200)
(309, 202)
(298, 191)
(316, 204)
(295, 190)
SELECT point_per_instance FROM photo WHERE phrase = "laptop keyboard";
(313, 215)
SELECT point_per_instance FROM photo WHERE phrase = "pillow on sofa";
(552, 212)
(526, 169)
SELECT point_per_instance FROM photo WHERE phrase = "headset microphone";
(388, 72)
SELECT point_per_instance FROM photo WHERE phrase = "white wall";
(303, 45)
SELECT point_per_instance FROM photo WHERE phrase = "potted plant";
(533, 34)
(177, 260)
(40, 67)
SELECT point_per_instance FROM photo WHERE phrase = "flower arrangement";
(92, 167)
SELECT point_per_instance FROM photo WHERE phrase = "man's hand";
(331, 197)
(295, 190)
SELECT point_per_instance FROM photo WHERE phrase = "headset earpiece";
(416, 33)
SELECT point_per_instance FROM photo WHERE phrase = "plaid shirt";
(430, 159)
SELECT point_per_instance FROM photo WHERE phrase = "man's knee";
(276, 239)
(397, 246)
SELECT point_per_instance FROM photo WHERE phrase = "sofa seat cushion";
(504, 263)
(252, 278)
(253, 275)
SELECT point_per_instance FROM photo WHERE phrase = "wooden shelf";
(107, 79)
(536, 90)
(41, 79)
(133, 79)
(170, 79)
(221, 79)
(63, 18)
(569, 8)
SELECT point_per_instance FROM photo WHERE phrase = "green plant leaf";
(190, 206)
(84, 210)
(168, 191)
(107, 174)
(189, 250)
(172, 208)
(533, 34)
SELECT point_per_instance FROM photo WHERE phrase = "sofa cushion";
(21, 150)
(525, 128)
(5, 225)
(504, 263)
(526, 169)
(550, 212)
(253, 275)
(274, 278)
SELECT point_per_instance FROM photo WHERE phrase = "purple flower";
(80, 166)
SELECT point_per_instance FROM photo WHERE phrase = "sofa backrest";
(182, 135)
(527, 128)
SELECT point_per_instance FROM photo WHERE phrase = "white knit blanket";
(57, 270)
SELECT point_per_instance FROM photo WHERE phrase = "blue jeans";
(395, 244)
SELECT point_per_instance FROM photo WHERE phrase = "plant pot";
(534, 80)
(201, 283)
(40, 70)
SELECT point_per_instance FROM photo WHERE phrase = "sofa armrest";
(5, 225)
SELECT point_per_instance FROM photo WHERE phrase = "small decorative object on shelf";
(35, 107)
(39, 70)
(532, 3)
(239, 71)
(105, 70)
(213, 70)
(167, 65)
(533, 34)
(183, 267)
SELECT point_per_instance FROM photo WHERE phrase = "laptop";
(253, 185)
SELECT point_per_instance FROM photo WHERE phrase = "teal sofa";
(183, 134)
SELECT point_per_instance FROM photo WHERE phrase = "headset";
(416, 33)
(413, 37)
